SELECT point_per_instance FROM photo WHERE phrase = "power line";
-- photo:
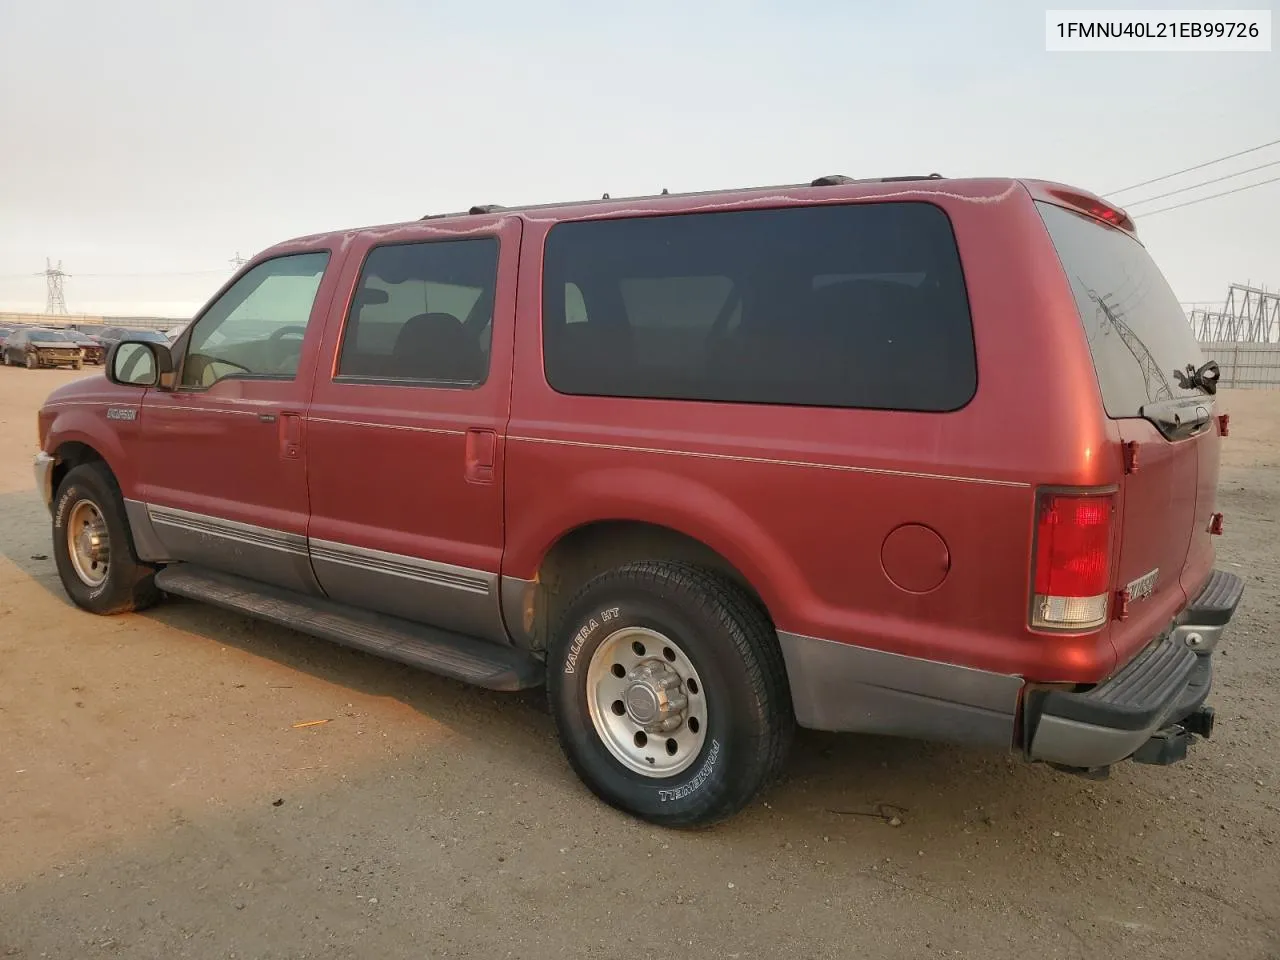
(162, 273)
(1198, 166)
(109, 276)
(1203, 183)
(1212, 196)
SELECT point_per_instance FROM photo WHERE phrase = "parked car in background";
(37, 347)
(925, 457)
(91, 348)
(112, 335)
(4, 334)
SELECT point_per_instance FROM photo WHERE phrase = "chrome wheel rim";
(88, 543)
(647, 702)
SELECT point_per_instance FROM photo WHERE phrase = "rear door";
(1141, 342)
(407, 425)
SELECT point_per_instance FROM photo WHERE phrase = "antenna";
(56, 301)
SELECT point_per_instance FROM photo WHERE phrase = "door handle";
(290, 436)
(481, 448)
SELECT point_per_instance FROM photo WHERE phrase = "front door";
(223, 467)
(405, 431)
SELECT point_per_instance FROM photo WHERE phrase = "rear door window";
(1137, 331)
(422, 314)
(852, 305)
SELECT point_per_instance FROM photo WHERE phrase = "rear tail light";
(1072, 572)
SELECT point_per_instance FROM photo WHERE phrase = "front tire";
(32, 361)
(93, 548)
(669, 693)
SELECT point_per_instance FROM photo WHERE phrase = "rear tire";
(700, 640)
(93, 547)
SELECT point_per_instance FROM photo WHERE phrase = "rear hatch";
(1145, 353)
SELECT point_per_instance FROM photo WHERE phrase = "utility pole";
(238, 261)
(56, 301)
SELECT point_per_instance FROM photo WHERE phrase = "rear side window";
(422, 314)
(1137, 331)
(856, 305)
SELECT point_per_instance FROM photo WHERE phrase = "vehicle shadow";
(838, 779)
(928, 826)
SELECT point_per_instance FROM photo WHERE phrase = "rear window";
(854, 305)
(1137, 331)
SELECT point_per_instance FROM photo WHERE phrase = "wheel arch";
(533, 607)
(70, 454)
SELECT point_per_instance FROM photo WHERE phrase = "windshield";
(48, 336)
(1138, 334)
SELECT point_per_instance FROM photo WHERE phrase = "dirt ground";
(156, 800)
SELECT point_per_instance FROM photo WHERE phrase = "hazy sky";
(158, 139)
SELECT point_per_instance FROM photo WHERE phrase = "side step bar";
(439, 651)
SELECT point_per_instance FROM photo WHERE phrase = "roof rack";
(836, 179)
(830, 180)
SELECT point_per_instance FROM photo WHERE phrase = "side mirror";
(138, 363)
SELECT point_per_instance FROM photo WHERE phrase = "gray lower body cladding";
(842, 687)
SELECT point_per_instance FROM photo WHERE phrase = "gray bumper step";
(453, 655)
(1217, 602)
(1142, 694)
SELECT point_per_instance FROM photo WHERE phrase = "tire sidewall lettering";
(69, 496)
(585, 633)
(666, 795)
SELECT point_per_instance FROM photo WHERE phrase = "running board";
(453, 655)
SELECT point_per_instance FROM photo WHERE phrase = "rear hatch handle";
(1176, 419)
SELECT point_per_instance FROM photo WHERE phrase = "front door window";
(255, 329)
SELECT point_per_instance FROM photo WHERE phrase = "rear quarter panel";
(801, 500)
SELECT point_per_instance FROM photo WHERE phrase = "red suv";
(913, 456)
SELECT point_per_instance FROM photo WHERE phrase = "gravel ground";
(156, 800)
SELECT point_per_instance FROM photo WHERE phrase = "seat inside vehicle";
(435, 346)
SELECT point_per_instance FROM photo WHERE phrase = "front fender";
(87, 423)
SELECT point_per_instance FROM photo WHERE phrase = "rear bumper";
(1146, 710)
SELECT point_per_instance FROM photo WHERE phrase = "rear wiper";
(1176, 418)
(1203, 378)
